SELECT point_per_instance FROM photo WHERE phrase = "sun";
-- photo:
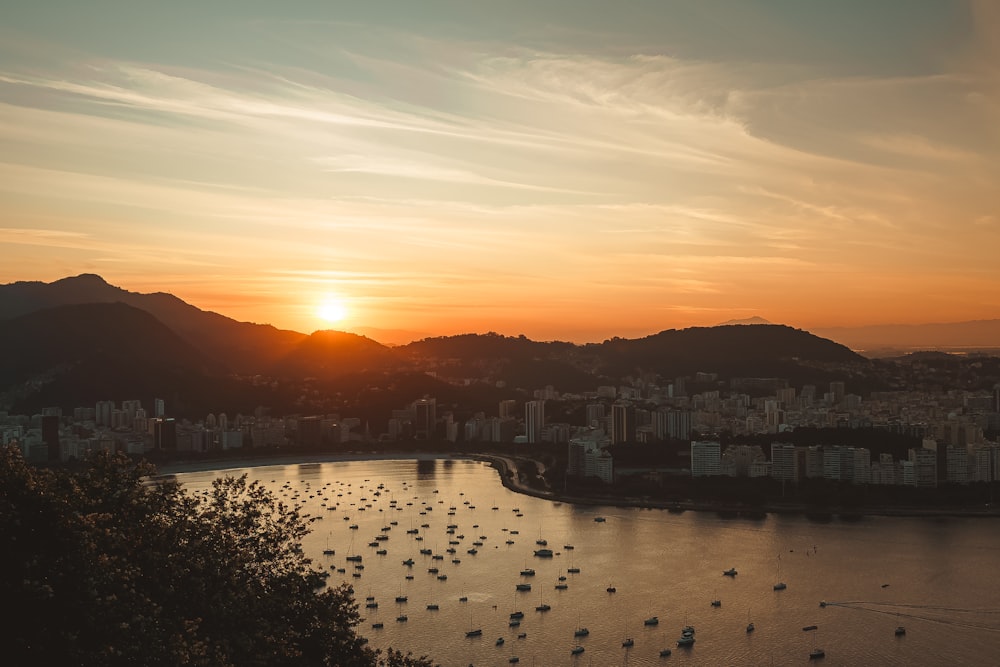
(332, 310)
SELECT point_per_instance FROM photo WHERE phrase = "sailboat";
(541, 605)
(473, 632)
(780, 586)
(627, 642)
(750, 626)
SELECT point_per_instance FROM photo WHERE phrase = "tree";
(101, 566)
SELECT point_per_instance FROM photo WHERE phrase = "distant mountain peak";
(749, 320)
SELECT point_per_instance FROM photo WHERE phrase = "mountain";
(390, 337)
(80, 339)
(243, 346)
(771, 350)
(329, 354)
(68, 355)
(730, 351)
(894, 339)
(749, 320)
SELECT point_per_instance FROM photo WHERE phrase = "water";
(941, 575)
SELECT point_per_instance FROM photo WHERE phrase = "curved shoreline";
(510, 478)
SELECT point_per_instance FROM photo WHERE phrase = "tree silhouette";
(101, 566)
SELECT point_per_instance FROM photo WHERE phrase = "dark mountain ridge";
(149, 338)
(244, 347)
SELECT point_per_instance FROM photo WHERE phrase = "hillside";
(243, 347)
(74, 355)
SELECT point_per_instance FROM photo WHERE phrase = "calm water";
(937, 577)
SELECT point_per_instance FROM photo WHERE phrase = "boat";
(561, 586)
(432, 607)
(402, 618)
(378, 625)
(517, 614)
(328, 552)
(716, 603)
(664, 652)
(652, 620)
(522, 635)
(780, 586)
(474, 633)
(581, 632)
(573, 570)
(731, 572)
(543, 553)
(900, 630)
(527, 572)
(628, 642)
(599, 519)
(577, 650)
(611, 589)
(512, 658)
(687, 636)
(816, 653)
(809, 627)
(401, 598)
(543, 607)
(408, 562)
(523, 587)
(354, 559)
(499, 641)
(750, 627)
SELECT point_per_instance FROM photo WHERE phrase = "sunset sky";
(567, 170)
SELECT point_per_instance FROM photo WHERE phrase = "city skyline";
(568, 172)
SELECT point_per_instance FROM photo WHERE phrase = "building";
(785, 460)
(622, 423)
(50, 436)
(425, 418)
(957, 465)
(508, 408)
(165, 434)
(924, 465)
(534, 420)
(706, 459)
(596, 415)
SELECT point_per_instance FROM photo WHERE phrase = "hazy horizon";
(569, 171)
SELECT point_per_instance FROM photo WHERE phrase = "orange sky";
(461, 168)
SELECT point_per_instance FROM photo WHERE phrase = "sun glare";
(332, 310)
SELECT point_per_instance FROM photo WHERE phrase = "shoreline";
(509, 474)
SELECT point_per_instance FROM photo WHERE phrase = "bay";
(934, 576)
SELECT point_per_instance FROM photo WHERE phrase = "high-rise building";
(706, 458)
(102, 413)
(595, 415)
(159, 409)
(425, 418)
(534, 420)
(622, 423)
(507, 408)
(165, 434)
(50, 435)
(996, 398)
(785, 461)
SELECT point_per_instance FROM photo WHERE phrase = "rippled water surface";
(936, 577)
